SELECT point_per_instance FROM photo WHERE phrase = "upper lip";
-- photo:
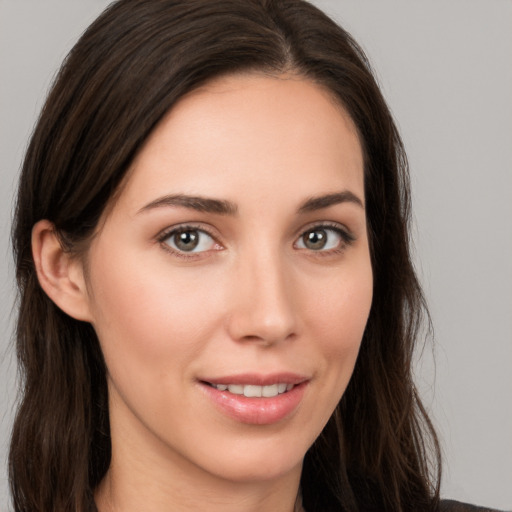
(258, 379)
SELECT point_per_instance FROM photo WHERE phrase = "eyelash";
(346, 239)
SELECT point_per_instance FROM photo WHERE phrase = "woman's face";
(234, 263)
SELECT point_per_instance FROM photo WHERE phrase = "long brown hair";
(378, 450)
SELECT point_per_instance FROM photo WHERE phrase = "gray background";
(446, 70)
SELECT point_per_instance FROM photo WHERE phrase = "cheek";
(340, 310)
(335, 314)
(147, 319)
(339, 314)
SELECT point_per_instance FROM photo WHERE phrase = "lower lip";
(256, 411)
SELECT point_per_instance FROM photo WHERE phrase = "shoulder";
(457, 506)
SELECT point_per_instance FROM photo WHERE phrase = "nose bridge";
(263, 307)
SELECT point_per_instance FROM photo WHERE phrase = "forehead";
(251, 131)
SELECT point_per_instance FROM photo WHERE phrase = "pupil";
(187, 240)
(315, 239)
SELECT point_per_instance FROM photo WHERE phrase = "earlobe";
(60, 275)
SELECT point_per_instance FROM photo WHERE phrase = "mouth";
(255, 398)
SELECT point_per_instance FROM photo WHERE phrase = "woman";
(217, 304)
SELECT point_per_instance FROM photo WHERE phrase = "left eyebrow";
(320, 202)
(197, 203)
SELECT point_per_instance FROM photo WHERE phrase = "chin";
(261, 460)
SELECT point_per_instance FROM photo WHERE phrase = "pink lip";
(261, 410)
(257, 379)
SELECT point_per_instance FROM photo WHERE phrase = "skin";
(253, 297)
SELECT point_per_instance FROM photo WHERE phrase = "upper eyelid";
(168, 231)
(325, 224)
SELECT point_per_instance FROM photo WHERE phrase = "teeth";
(251, 391)
(269, 391)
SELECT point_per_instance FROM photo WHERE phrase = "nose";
(262, 300)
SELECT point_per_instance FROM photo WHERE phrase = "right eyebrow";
(198, 203)
(321, 202)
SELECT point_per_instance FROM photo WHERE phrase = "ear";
(60, 275)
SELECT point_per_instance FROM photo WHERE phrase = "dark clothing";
(456, 506)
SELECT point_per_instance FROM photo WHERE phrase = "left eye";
(320, 239)
(190, 240)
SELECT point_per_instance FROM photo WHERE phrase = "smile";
(254, 398)
(253, 391)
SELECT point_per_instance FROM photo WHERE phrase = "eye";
(189, 240)
(324, 238)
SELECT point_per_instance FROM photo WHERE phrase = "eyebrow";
(198, 203)
(225, 207)
(320, 202)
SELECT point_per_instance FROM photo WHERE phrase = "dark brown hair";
(378, 450)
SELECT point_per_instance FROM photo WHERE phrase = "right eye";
(189, 240)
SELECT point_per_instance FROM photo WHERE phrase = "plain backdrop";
(446, 70)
